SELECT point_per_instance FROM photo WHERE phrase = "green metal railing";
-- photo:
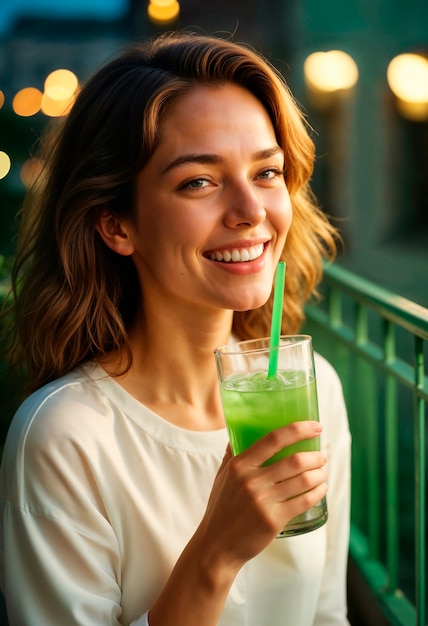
(378, 341)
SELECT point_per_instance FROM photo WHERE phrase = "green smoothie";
(255, 405)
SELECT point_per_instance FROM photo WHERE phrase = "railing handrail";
(400, 310)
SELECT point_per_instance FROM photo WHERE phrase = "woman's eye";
(270, 173)
(196, 183)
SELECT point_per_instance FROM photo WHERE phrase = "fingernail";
(317, 427)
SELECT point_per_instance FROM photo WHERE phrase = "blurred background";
(359, 69)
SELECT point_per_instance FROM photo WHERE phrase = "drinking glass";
(254, 403)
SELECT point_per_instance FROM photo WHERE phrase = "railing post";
(367, 385)
(335, 307)
(361, 324)
(391, 480)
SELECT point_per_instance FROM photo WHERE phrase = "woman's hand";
(250, 504)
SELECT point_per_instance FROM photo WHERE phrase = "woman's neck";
(173, 370)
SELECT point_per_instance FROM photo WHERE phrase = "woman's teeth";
(238, 255)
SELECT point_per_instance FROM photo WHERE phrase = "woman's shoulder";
(58, 392)
(62, 406)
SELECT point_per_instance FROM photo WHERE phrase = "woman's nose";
(244, 207)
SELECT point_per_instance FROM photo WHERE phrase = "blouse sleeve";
(332, 605)
(63, 572)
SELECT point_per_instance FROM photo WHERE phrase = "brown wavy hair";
(74, 298)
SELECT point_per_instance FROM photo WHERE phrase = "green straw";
(275, 330)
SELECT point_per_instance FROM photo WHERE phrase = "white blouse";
(99, 496)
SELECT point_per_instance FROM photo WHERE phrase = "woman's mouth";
(237, 255)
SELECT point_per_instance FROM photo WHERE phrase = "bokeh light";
(59, 92)
(62, 78)
(407, 76)
(4, 164)
(163, 11)
(27, 101)
(56, 102)
(331, 71)
(60, 88)
(30, 171)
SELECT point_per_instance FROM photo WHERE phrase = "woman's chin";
(249, 304)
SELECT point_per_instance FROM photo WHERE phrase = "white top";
(99, 496)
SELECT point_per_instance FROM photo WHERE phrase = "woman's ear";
(114, 234)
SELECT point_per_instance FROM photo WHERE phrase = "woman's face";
(213, 210)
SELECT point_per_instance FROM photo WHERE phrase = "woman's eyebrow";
(216, 159)
(266, 154)
(204, 159)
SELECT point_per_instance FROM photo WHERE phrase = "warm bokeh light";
(407, 76)
(1, 99)
(27, 101)
(4, 164)
(330, 71)
(57, 101)
(59, 92)
(62, 78)
(163, 11)
(30, 171)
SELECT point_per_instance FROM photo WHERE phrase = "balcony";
(378, 343)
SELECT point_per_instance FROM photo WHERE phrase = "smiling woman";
(172, 189)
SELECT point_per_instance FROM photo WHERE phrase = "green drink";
(255, 405)
(255, 402)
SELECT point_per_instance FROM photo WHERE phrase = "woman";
(177, 182)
